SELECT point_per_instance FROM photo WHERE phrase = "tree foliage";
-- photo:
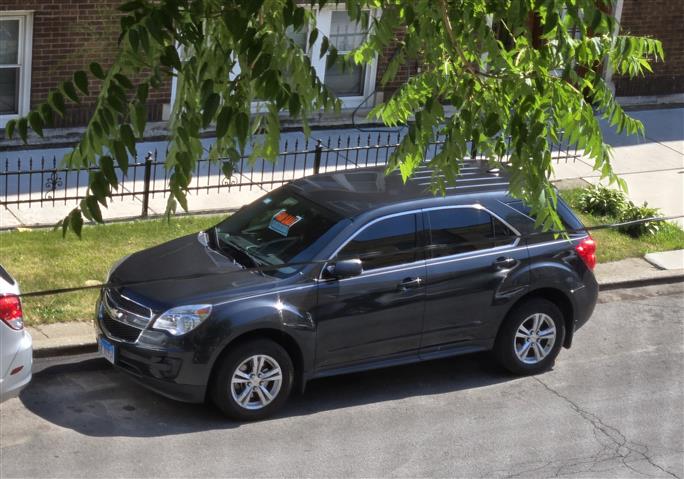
(528, 70)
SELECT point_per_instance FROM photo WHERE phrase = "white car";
(16, 352)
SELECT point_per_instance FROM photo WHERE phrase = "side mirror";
(344, 269)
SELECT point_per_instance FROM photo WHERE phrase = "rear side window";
(461, 230)
(388, 242)
(568, 218)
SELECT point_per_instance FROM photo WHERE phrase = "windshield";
(282, 227)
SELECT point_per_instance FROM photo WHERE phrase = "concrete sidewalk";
(75, 337)
(653, 167)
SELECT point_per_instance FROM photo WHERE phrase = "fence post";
(317, 157)
(146, 191)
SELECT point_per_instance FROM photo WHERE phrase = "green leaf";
(96, 70)
(128, 138)
(140, 118)
(81, 81)
(70, 91)
(22, 127)
(312, 37)
(227, 168)
(76, 222)
(124, 81)
(324, 47)
(134, 39)
(241, 127)
(141, 94)
(209, 108)
(56, 101)
(170, 57)
(94, 208)
(107, 166)
(131, 6)
(36, 122)
(294, 105)
(120, 154)
(223, 121)
(9, 128)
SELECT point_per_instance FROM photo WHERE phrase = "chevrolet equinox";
(343, 272)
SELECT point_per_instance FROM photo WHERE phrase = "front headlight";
(182, 319)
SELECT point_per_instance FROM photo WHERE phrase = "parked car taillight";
(10, 311)
(586, 249)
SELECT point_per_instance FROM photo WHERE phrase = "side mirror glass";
(345, 268)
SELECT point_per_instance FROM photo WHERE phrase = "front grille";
(119, 330)
(123, 318)
(126, 304)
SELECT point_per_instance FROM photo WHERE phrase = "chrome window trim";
(403, 267)
(476, 206)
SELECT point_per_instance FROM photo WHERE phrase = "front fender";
(273, 313)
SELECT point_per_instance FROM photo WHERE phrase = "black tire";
(222, 393)
(506, 341)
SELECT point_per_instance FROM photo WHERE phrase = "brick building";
(43, 41)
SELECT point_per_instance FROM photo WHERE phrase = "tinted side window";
(386, 243)
(460, 230)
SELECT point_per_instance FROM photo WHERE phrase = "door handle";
(504, 262)
(410, 283)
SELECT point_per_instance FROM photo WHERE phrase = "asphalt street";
(611, 407)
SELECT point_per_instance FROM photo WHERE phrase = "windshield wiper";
(237, 251)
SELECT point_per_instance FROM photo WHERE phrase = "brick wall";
(403, 74)
(664, 20)
(67, 36)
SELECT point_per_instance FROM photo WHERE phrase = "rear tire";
(253, 381)
(530, 337)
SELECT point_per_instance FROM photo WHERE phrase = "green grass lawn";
(614, 245)
(40, 259)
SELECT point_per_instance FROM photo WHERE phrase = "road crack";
(621, 447)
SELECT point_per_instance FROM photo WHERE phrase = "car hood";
(184, 271)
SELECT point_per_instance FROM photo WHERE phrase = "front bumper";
(158, 364)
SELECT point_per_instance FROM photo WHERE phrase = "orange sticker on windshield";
(282, 221)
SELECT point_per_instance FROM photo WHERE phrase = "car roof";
(354, 192)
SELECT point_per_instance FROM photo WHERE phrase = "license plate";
(107, 349)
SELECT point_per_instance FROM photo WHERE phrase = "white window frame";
(24, 57)
(323, 23)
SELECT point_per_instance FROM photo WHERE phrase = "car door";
(474, 267)
(379, 313)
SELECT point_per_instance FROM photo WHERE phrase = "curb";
(68, 350)
(75, 349)
(638, 283)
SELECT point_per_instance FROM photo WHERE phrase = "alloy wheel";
(256, 382)
(534, 338)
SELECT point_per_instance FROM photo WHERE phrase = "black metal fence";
(44, 182)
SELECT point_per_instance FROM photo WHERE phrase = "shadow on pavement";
(94, 399)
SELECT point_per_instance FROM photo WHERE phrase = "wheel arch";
(561, 300)
(279, 337)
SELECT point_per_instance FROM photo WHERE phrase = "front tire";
(530, 337)
(253, 381)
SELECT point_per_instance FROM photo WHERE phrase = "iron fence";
(43, 181)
